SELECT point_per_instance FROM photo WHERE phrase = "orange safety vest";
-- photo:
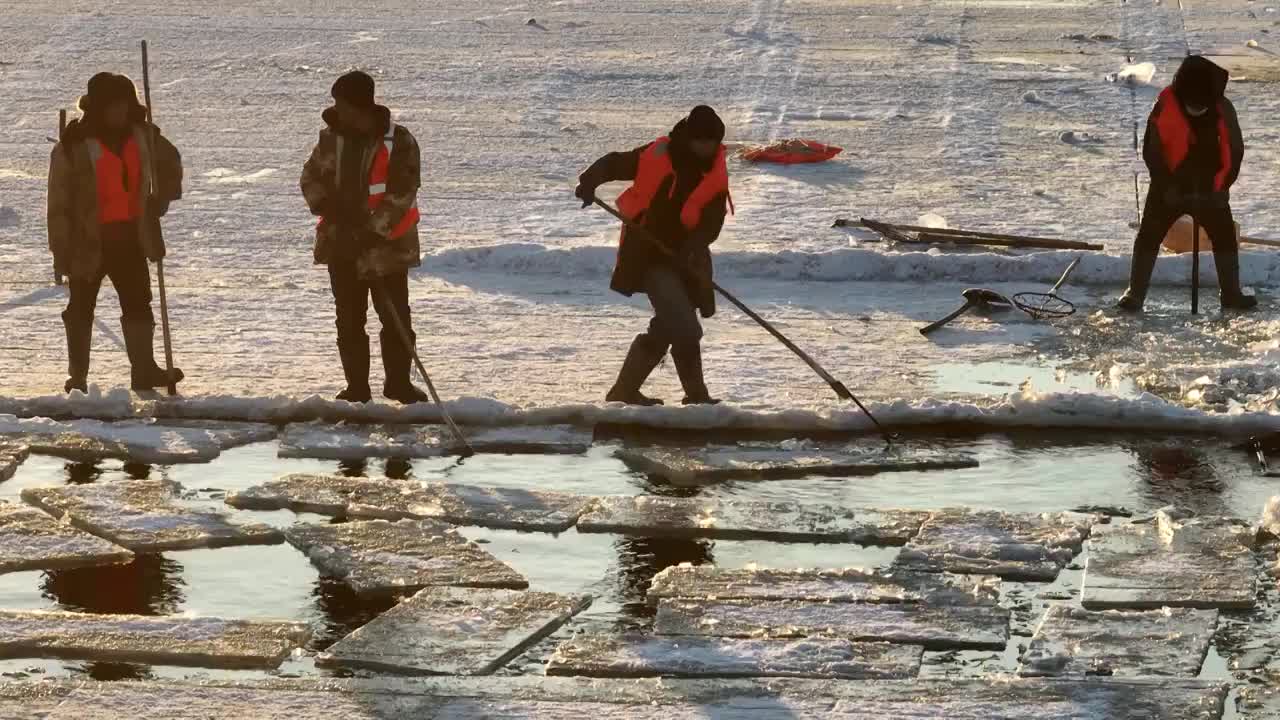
(655, 167)
(119, 181)
(378, 184)
(1176, 137)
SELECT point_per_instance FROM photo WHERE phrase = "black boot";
(396, 364)
(642, 358)
(79, 335)
(139, 344)
(1144, 263)
(688, 359)
(1227, 261)
(354, 353)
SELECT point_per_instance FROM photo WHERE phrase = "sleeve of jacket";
(404, 177)
(168, 169)
(1153, 151)
(318, 180)
(60, 209)
(1237, 141)
(613, 167)
(712, 222)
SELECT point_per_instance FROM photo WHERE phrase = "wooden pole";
(164, 302)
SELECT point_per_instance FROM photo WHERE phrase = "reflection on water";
(1180, 475)
(639, 559)
(353, 468)
(137, 471)
(82, 473)
(343, 611)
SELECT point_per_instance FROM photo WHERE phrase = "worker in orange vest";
(1194, 149)
(680, 194)
(104, 211)
(362, 181)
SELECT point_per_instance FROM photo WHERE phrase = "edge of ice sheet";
(854, 264)
(1026, 409)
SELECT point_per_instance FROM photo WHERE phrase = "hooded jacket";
(322, 188)
(75, 238)
(1198, 82)
(663, 220)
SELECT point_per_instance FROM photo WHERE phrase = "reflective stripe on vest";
(655, 167)
(378, 171)
(1176, 137)
(378, 185)
(119, 181)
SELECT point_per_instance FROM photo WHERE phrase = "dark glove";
(586, 192)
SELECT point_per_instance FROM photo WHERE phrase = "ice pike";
(145, 516)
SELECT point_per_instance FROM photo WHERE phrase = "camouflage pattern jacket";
(320, 187)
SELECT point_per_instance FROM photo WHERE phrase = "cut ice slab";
(731, 463)
(144, 441)
(1012, 546)
(400, 557)
(1166, 562)
(454, 631)
(1271, 517)
(655, 516)
(145, 516)
(32, 540)
(11, 456)
(538, 698)
(707, 657)
(503, 508)
(848, 585)
(341, 442)
(1169, 642)
(201, 642)
(936, 628)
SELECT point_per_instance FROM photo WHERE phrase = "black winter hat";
(354, 87)
(106, 88)
(1199, 81)
(704, 124)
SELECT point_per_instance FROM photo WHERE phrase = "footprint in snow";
(1071, 137)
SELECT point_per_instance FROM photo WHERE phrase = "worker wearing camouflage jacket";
(362, 181)
(104, 210)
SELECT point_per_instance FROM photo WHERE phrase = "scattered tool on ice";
(979, 298)
(1048, 305)
(793, 151)
(962, 237)
(841, 391)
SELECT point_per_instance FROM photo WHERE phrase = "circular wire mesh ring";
(1043, 305)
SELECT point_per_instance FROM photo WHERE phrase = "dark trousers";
(125, 264)
(351, 294)
(675, 318)
(1159, 215)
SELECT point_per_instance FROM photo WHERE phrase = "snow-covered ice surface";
(494, 507)
(199, 641)
(1012, 546)
(33, 540)
(846, 585)
(658, 516)
(935, 627)
(400, 557)
(955, 109)
(649, 699)
(659, 656)
(144, 516)
(454, 631)
(791, 460)
(1170, 642)
(1170, 562)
